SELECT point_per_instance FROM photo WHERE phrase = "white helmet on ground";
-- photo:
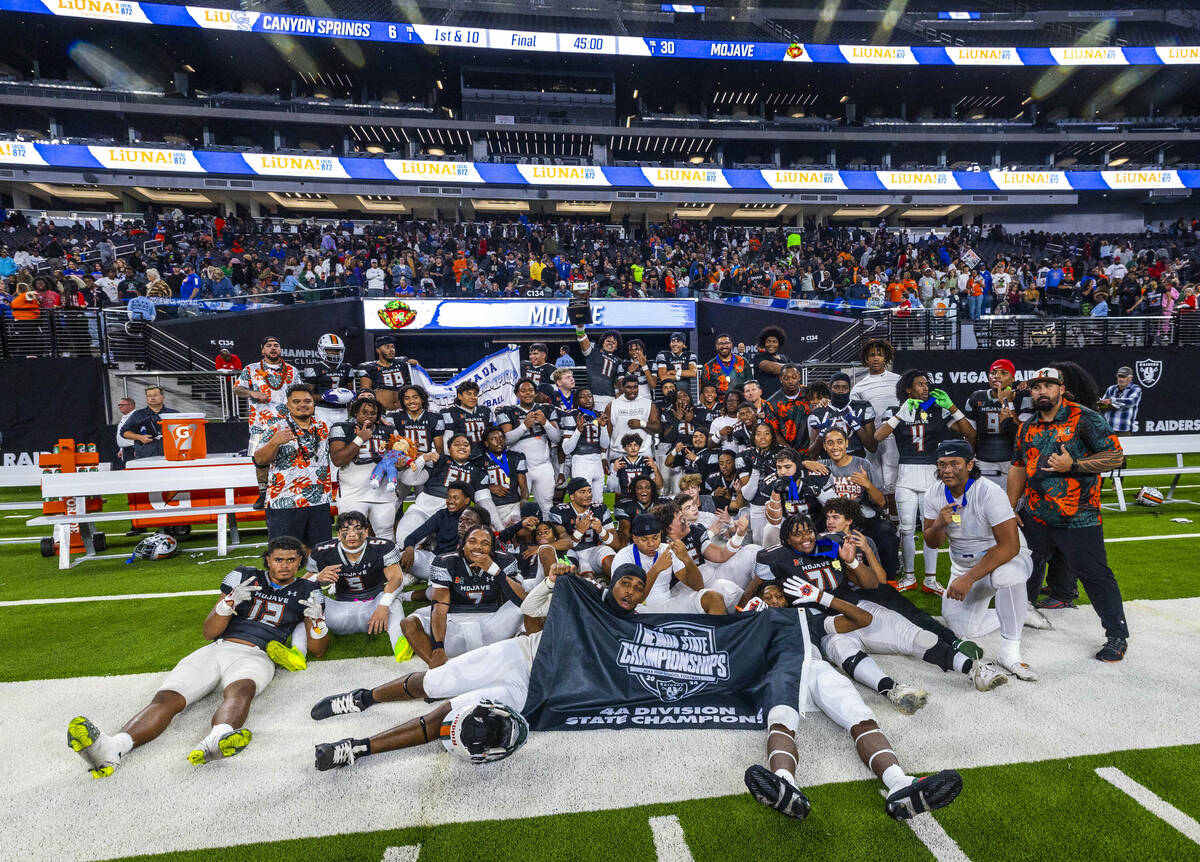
(158, 546)
(484, 732)
(331, 348)
(1149, 497)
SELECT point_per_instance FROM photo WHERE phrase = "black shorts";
(310, 524)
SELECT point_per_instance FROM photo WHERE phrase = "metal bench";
(1167, 444)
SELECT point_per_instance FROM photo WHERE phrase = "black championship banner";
(1167, 375)
(37, 411)
(595, 669)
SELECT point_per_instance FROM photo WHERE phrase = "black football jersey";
(514, 415)
(473, 423)
(641, 468)
(359, 580)
(696, 540)
(782, 562)
(994, 437)
(392, 377)
(798, 494)
(565, 514)
(917, 441)
(589, 429)
(445, 470)
(375, 446)
(473, 590)
(628, 509)
(502, 471)
(603, 368)
(272, 612)
(677, 362)
(850, 418)
(703, 416)
(540, 374)
(322, 376)
(421, 430)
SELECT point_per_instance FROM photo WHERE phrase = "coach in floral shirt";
(295, 451)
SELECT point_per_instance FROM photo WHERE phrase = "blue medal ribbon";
(950, 497)
(588, 413)
(637, 559)
(501, 462)
(568, 403)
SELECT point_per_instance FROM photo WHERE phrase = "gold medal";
(837, 564)
(956, 518)
(924, 416)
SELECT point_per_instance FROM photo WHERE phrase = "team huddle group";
(759, 494)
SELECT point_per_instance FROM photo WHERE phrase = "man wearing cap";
(1121, 401)
(996, 413)
(265, 384)
(988, 556)
(1059, 455)
(853, 415)
(674, 583)
(589, 526)
(387, 373)
(677, 363)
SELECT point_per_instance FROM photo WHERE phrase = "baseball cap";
(1004, 365)
(628, 570)
(678, 336)
(1124, 371)
(269, 338)
(645, 524)
(530, 509)
(1047, 375)
(955, 449)
(381, 340)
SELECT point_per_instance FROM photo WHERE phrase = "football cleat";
(403, 649)
(288, 658)
(1113, 650)
(1049, 603)
(340, 704)
(770, 790)
(906, 583)
(968, 648)
(97, 748)
(1035, 619)
(334, 755)
(924, 794)
(906, 699)
(931, 585)
(987, 676)
(227, 745)
(1019, 669)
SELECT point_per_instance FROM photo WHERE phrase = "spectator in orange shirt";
(895, 291)
(459, 266)
(27, 305)
(782, 289)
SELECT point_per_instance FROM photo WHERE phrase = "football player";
(387, 373)
(265, 384)
(328, 374)
(988, 555)
(465, 416)
(793, 488)
(633, 465)
(585, 440)
(355, 447)
(366, 577)
(674, 583)
(603, 365)
(476, 594)
(997, 412)
(256, 612)
(498, 672)
(725, 568)
(812, 680)
(442, 529)
(589, 526)
(854, 416)
(644, 496)
(923, 420)
(506, 468)
(435, 475)
(528, 430)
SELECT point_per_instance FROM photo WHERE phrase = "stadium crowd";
(195, 257)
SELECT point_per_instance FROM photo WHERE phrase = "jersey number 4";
(917, 432)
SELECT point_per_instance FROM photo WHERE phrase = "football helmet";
(158, 546)
(331, 348)
(485, 732)
(1149, 497)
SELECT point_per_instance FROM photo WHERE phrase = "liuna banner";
(495, 375)
(595, 669)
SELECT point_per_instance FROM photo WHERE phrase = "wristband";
(826, 600)
(854, 564)
(736, 541)
(894, 421)
(385, 601)
(956, 415)
(580, 332)
(359, 442)
(437, 644)
(494, 568)
(578, 535)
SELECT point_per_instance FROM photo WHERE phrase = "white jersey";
(661, 589)
(878, 389)
(621, 410)
(986, 506)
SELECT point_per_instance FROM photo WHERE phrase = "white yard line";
(403, 853)
(670, 845)
(936, 840)
(1151, 801)
(150, 804)
(1152, 538)
(74, 599)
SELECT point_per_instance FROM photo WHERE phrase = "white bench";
(80, 486)
(1166, 444)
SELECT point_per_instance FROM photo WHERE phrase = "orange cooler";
(183, 436)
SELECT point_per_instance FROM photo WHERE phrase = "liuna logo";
(674, 660)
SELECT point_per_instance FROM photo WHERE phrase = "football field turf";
(1091, 762)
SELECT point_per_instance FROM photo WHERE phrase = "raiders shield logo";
(1149, 371)
(675, 660)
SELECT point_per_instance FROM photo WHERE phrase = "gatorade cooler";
(183, 436)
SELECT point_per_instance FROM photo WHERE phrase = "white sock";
(786, 775)
(124, 743)
(959, 661)
(895, 778)
(218, 731)
(1010, 650)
